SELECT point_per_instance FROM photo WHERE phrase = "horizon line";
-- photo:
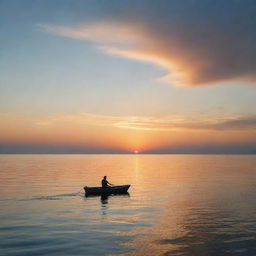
(215, 153)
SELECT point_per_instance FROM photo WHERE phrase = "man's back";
(104, 183)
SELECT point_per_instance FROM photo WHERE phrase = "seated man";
(105, 183)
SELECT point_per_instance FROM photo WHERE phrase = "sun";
(135, 151)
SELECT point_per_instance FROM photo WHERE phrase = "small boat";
(106, 191)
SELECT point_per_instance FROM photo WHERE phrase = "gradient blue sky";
(48, 72)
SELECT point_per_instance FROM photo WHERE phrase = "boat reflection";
(104, 201)
(104, 198)
(127, 194)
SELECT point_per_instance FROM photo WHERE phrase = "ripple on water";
(178, 205)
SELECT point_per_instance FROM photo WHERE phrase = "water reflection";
(104, 198)
(210, 232)
(178, 205)
(200, 226)
(104, 205)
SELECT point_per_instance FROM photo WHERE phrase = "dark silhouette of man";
(105, 183)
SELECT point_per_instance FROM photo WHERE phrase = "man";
(105, 183)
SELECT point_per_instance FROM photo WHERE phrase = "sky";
(115, 76)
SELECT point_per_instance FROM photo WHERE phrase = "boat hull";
(106, 191)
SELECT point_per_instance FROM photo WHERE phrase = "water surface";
(178, 205)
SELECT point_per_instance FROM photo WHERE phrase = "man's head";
(105, 177)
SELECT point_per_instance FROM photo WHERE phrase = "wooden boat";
(106, 191)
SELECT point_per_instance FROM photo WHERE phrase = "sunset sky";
(115, 76)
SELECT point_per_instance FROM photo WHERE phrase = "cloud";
(42, 123)
(88, 133)
(198, 43)
(146, 123)
(172, 123)
(99, 32)
(166, 123)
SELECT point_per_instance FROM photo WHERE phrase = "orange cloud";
(124, 41)
(93, 132)
(189, 60)
(152, 123)
(146, 123)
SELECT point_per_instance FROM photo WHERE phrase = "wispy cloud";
(99, 32)
(125, 42)
(147, 123)
(197, 43)
(166, 123)
(42, 123)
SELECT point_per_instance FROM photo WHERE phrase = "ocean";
(186, 205)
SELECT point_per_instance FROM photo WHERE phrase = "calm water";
(189, 205)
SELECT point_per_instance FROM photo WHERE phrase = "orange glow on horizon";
(107, 136)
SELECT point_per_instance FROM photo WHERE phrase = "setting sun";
(88, 102)
(128, 121)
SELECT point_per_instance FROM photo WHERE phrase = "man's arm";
(110, 184)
